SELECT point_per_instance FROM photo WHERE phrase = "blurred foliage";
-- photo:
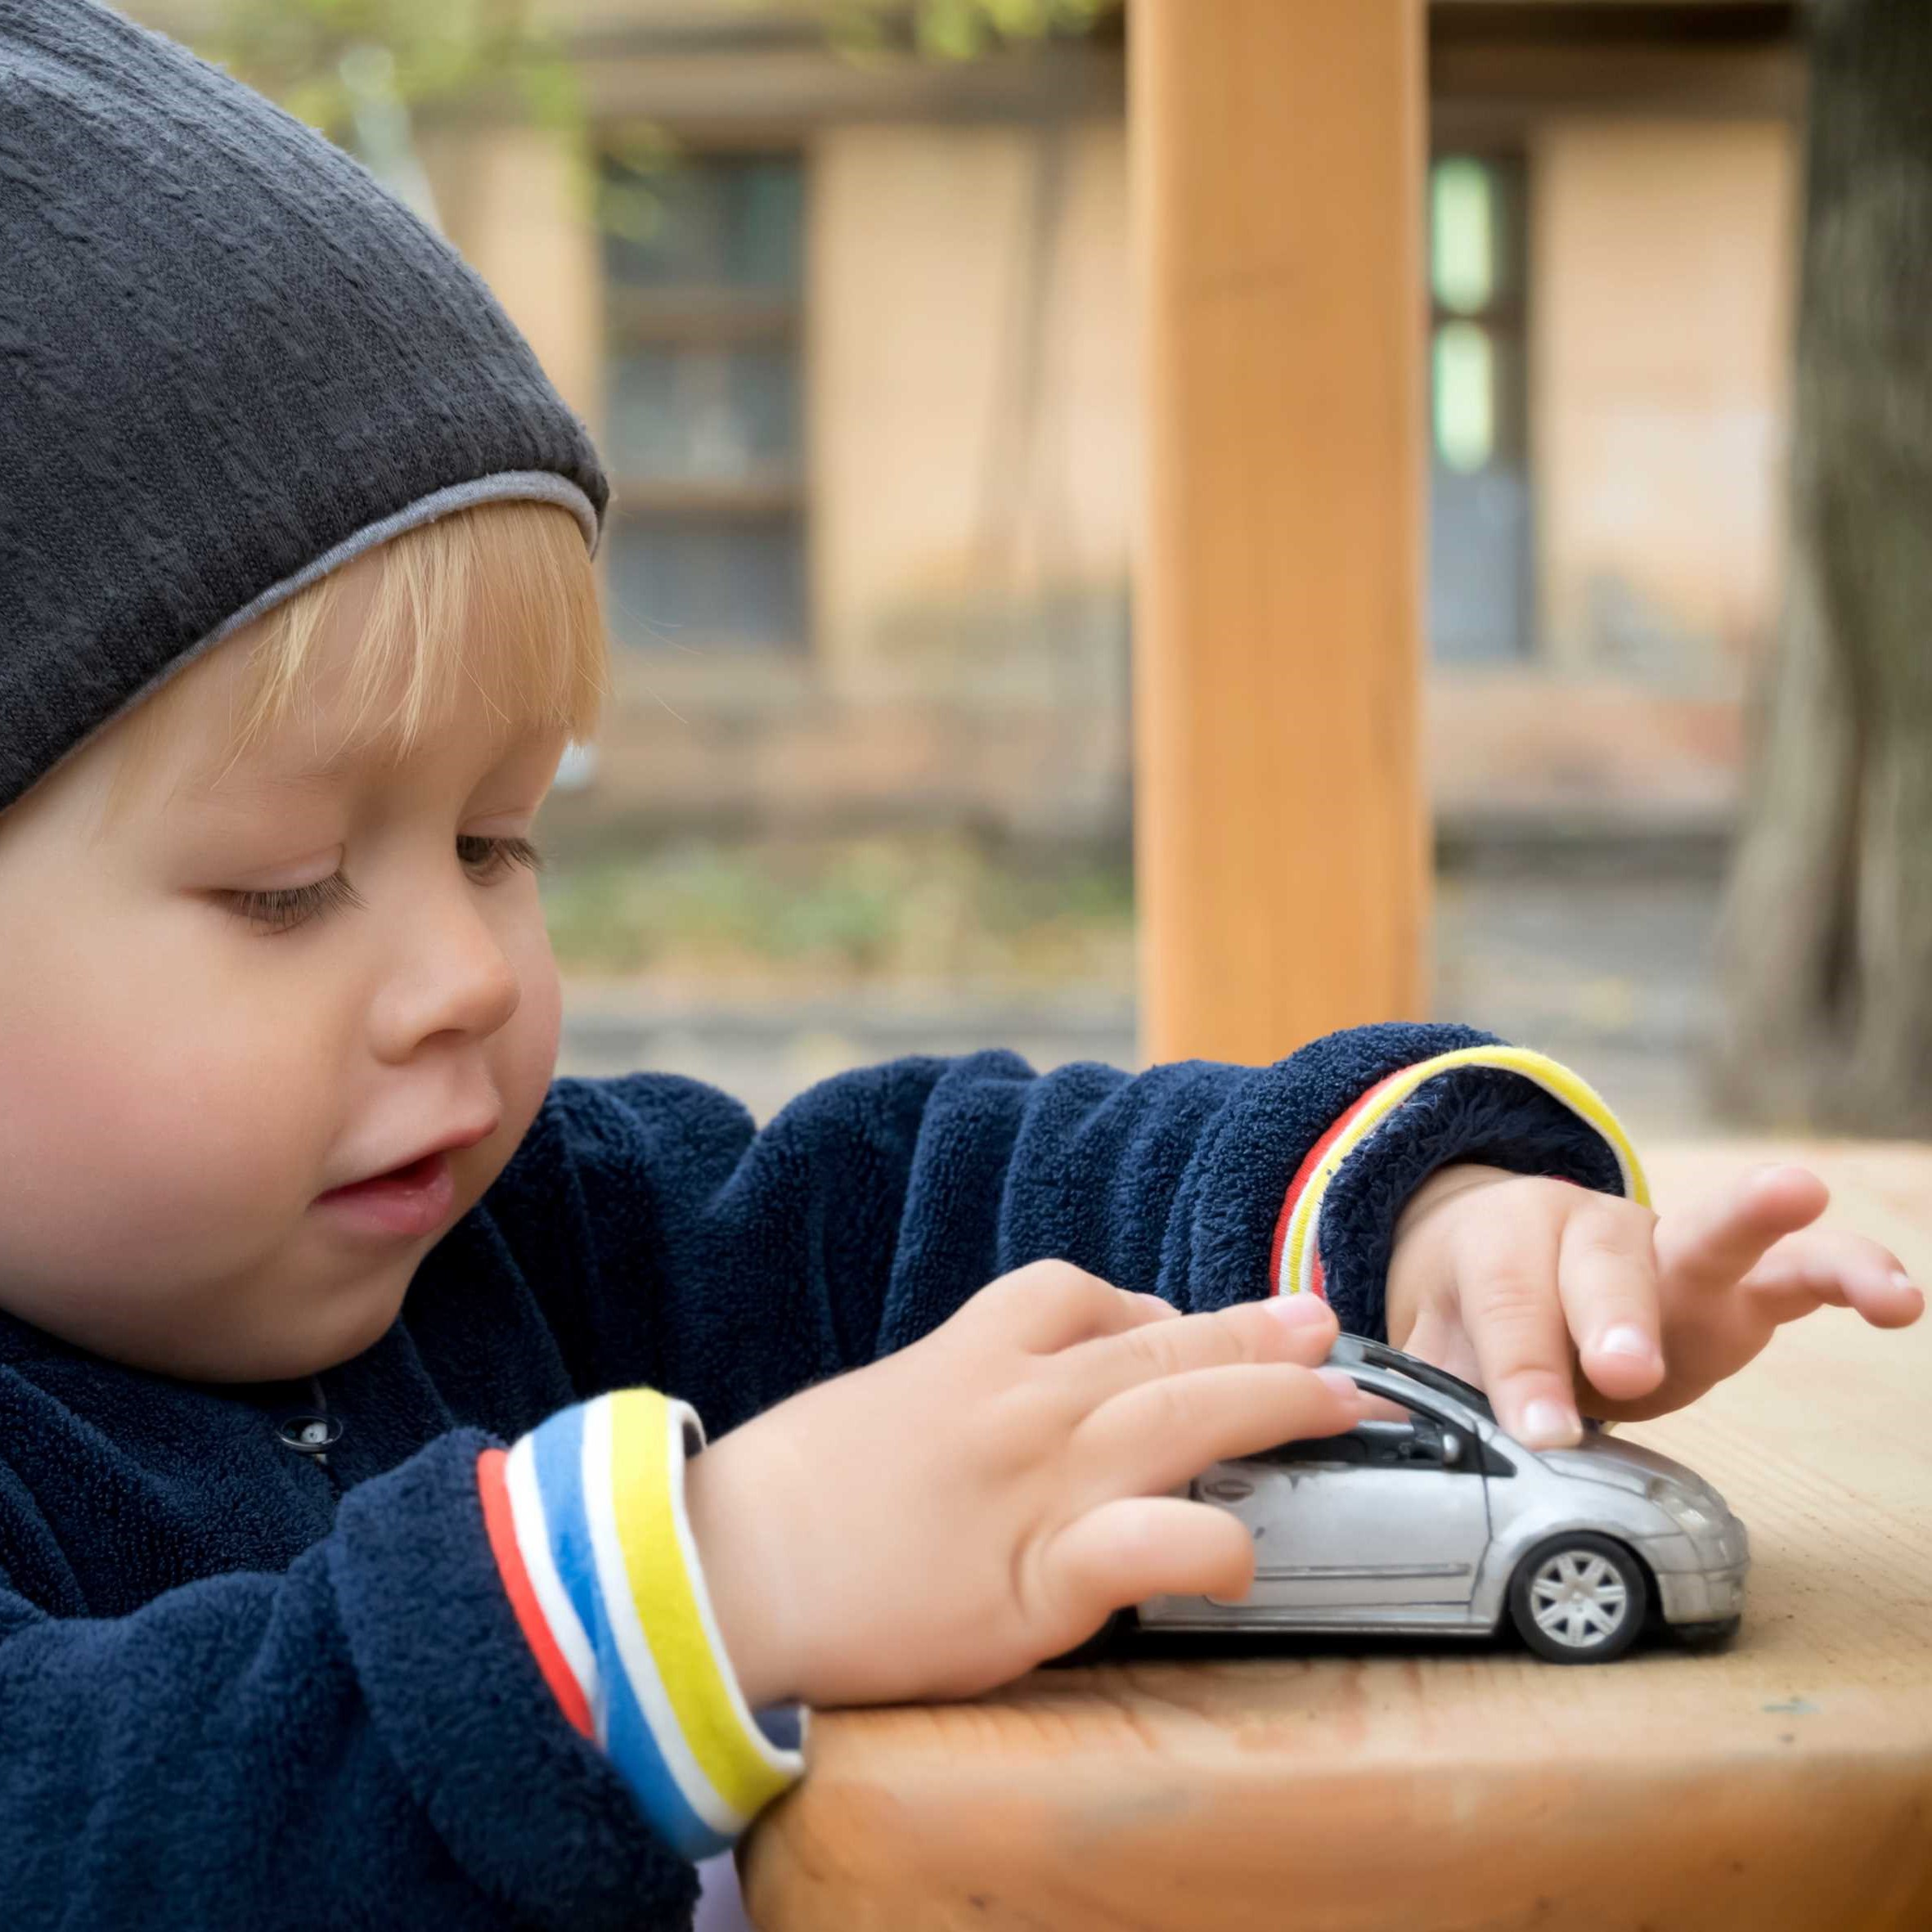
(456, 54)
(821, 914)
(630, 189)
(446, 53)
(954, 29)
(449, 52)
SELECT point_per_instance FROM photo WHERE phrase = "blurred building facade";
(857, 338)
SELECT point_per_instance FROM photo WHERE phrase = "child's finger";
(1283, 1328)
(1159, 1433)
(1607, 1278)
(1715, 1242)
(1834, 1266)
(1050, 1306)
(1507, 1283)
(1137, 1547)
(1898, 1304)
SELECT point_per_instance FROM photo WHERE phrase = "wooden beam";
(1280, 820)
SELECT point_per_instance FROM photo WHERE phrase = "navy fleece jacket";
(242, 1686)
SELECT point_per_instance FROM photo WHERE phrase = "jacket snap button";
(309, 1433)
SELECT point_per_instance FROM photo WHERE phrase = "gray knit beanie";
(229, 362)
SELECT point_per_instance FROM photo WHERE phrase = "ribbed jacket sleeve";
(360, 1741)
(728, 1266)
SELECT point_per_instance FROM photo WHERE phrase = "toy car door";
(1386, 1522)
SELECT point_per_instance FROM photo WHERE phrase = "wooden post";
(1281, 820)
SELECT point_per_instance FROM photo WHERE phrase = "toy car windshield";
(1375, 1354)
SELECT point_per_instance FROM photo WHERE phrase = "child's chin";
(343, 1333)
(376, 1319)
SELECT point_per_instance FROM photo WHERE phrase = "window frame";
(719, 316)
(1504, 318)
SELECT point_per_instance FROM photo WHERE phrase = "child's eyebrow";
(212, 788)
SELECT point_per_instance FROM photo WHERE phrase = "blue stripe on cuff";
(625, 1731)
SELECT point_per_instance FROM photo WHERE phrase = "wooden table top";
(1783, 1782)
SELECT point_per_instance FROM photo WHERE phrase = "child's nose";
(455, 978)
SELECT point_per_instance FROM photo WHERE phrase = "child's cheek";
(523, 1060)
(528, 1053)
(137, 1120)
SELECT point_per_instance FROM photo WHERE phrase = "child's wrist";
(728, 1509)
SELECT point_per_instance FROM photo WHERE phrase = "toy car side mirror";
(1452, 1449)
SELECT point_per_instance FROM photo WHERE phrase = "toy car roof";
(1378, 1354)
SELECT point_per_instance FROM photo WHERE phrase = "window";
(703, 261)
(1377, 1443)
(1416, 1444)
(1392, 1437)
(1479, 534)
(1381, 1356)
(1351, 1449)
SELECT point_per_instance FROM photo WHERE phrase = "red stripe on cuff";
(1318, 1281)
(495, 1490)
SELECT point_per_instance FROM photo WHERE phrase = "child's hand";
(1549, 1295)
(941, 1520)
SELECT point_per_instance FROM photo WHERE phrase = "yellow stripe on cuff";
(1552, 1076)
(647, 1482)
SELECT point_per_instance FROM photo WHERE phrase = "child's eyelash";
(497, 855)
(282, 909)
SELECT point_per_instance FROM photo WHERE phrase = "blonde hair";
(501, 595)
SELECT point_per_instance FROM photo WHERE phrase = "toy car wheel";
(1579, 1599)
(1104, 1642)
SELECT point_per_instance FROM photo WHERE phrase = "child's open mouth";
(410, 1202)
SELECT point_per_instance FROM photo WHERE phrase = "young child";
(355, 1564)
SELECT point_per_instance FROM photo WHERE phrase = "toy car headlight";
(1681, 1510)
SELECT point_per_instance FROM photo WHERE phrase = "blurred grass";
(836, 913)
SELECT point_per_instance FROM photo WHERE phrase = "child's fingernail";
(1626, 1338)
(1299, 1311)
(1342, 1383)
(1901, 1279)
(1548, 1424)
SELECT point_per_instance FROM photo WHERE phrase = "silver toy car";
(1440, 1522)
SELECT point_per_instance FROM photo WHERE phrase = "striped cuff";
(1295, 1265)
(586, 1517)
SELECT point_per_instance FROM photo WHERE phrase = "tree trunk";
(1826, 937)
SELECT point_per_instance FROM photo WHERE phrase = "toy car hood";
(1605, 1458)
